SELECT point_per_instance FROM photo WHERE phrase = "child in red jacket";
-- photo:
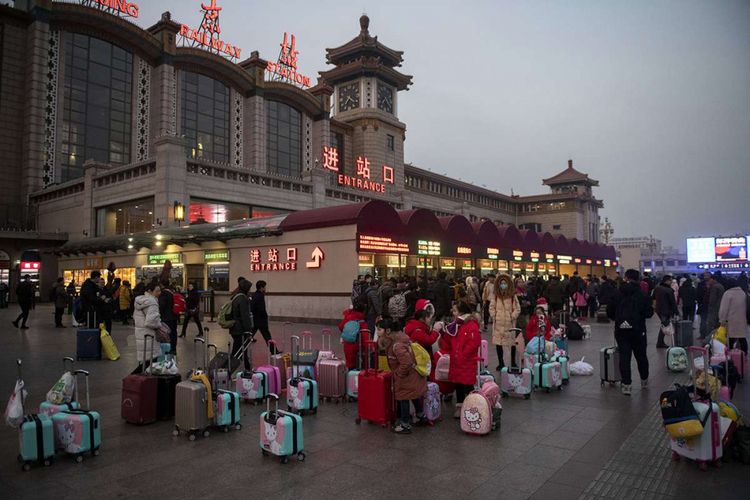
(420, 332)
(532, 327)
(351, 349)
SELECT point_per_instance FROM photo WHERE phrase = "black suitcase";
(683, 333)
(166, 386)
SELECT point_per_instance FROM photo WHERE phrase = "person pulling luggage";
(243, 322)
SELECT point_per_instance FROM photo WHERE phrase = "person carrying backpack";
(350, 333)
(243, 320)
(629, 309)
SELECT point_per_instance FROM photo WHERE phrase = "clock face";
(385, 98)
(349, 96)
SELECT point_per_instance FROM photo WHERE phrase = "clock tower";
(366, 85)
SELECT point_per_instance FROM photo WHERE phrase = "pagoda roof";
(570, 176)
(367, 66)
(364, 45)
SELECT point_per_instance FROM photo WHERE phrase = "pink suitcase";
(273, 373)
(331, 374)
(433, 402)
(484, 353)
(739, 358)
(516, 382)
(476, 414)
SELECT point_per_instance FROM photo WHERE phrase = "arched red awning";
(372, 217)
(562, 245)
(576, 249)
(458, 234)
(588, 250)
(487, 238)
(610, 253)
(549, 245)
(531, 241)
(421, 223)
(510, 237)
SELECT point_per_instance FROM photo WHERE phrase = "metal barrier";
(208, 304)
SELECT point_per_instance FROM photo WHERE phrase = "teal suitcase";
(564, 370)
(36, 440)
(281, 432)
(78, 431)
(227, 410)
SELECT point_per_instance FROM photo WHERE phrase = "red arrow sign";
(317, 259)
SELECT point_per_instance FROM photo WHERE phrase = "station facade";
(110, 129)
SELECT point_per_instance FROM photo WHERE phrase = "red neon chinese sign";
(115, 6)
(381, 244)
(388, 176)
(207, 35)
(272, 262)
(30, 265)
(363, 179)
(286, 67)
(330, 158)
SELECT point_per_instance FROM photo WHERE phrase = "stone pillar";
(321, 136)
(163, 114)
(255, 133)
(171, 178)
(318, 177)
(90, 170)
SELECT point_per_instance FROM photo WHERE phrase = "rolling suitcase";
(516, 382)
(48, 408)
(301, 392)
(739, 358)
(564, 361)
(139, 394)
(325, 353)
(609, 365)
(227, 410)
(352, 376)
(281, 432)
(676, 359)
(166, 388)
(547, 375)
(331, 373)
(376, 401)
(281, 361)
(683, 333)
(276, 383)
(251, 385)
(88, 341)
(191, 402)
(476, 410)
(433, 403)
(36, 437)
(306, 359)
(78, 431)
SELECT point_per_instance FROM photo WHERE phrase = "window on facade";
(533, 226)
(130, 217)
(204, 108)
(284, 139)
(390, 142)
(556, 227)
(267, 212)
(97, 100)
(210, 211)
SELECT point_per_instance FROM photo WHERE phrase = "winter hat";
(424, 304)
(542, 302)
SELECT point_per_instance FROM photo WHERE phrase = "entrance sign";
(317, 259)
(363, 179)
(273, 262)
(114, 7)
(208, 35)
(330, 158)
(285, 69)
(383, 244)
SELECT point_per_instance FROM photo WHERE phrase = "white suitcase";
(707, 447)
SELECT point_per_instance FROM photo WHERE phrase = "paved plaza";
(584, 442)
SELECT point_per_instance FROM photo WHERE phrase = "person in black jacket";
(89, 299)
(260, 315)
(666, 306)
(629, 309)
(25, 296)
(192, 304)
(243, 321)
(166, 304)
(443, 295)
(688, 296)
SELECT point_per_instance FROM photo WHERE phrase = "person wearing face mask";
(504, 310)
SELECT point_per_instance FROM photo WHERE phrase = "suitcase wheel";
(547, 390)
(559, 388)
(238, 427)
(505, 394)
(47, 462)
(284, 460)
(264, 452)
(95, 452)
(526, 396)
(176, 432)
(357, 420)
(26, 467)
(206, 433)
(191, 436)
(225, 429)
(301, 457)
(314, 411)
(79, 458)
(702, 466)
(675, 456)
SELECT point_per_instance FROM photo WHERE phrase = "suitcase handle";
(275, 403)
(307, 334)
(67, 359)
(325, 333)
(197, 341)
(295, 342)
(86, 374)
(272, 343)
(147, 365)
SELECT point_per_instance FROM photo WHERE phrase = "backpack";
(225, 319)
(52, 294)
(350, 333)
(679, 415)
(397, 306)
(178, 304)
(628, 314)
(422, 363)
(574, 331)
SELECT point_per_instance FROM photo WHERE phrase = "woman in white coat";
(147, 320)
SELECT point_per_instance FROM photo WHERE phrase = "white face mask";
(503, 286)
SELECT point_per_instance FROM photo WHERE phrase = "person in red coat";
(532, 327)
(420, 332)
(464, 352)
(351, 349)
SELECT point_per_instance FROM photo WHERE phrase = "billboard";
(731, 249)
(718, 249)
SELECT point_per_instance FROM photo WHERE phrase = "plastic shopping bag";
(62, 391)
(581, 368)
(108, 345)
(667, 330)
(14, 410)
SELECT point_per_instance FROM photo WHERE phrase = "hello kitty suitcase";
(252, 386)
(78, 431)
(476, 414)
(432, 403)
(516, 382)
(281, 432)
(227, 410)
(301, 393)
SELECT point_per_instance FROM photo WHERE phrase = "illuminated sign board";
(588, 261)
(208, 34)
(731, 249)
(598, 263)
(529, 266)
(425, 247)
(534, 256)
(725, 265)
(463, 250)
(115, 7)
(577, 260)
(607, 263)
(493, 253)
(161, 258)
(701, 250)
(393, 261)
(216, 255)
(273, 260)
(363, 180)
(564, 259)
(381, 244)
(93, 262)
(366, 260)
(285, 69)
(517, 255)
(549, 257)
(30, 266)
(467, 264)
(502, 265)
(516, 266)
(447, 263)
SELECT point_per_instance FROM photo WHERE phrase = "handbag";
(162, 333)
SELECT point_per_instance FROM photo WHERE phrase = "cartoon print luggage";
(529, 360)
(276, 382)
(281, 432)
(476, 410)
(516, 382)
(227, 410)
(252, 386)
(78, 431)
(36, 436)
(58, 392)
(331, 373)
(376, 402)
(492, 392)
(676, 359)
(609, 365)
(88, 341)
(139, 394)
(192, 401)
(301, 392)
(432, 403)
(547, 374)
(564, 361)
(739, 358)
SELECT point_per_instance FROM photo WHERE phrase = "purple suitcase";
(433, 402)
